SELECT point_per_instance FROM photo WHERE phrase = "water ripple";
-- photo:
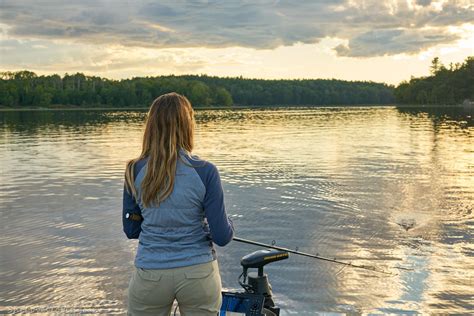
(384, 187)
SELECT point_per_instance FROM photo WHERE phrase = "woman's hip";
(197, 288)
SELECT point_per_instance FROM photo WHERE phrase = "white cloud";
(394, 41)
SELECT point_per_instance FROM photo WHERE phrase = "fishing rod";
(316, 256)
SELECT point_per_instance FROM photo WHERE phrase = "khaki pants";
(197, 289)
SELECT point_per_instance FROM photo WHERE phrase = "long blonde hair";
(169, 127)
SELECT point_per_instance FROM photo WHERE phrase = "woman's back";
(176, 232)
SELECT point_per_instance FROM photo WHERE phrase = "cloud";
(46, 56)
(393, 41)
(423, 2)
(371, 27)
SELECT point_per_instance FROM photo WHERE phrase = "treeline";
(25, 88)
(448, 86)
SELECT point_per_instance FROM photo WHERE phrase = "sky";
(370, 40)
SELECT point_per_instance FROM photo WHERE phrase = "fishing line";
(372, 236)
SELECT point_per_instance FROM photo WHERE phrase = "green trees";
(222, 97)
(25, 88)
(436, 66)
(444, 86)
(300, 92)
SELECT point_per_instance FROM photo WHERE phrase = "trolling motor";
(258, 282)
(257, 300)
(258, 297)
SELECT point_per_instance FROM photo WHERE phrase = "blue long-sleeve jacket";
(182, 229)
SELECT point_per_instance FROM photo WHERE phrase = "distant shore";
(234, 107)
(138, 108)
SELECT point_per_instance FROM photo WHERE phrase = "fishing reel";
(258, 291)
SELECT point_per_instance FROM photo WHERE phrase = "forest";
(450, 85)
(445, 85)
(27, 89)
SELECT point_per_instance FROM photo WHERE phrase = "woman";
(174, 204)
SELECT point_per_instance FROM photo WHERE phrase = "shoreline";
(138, 108)
(235, 107)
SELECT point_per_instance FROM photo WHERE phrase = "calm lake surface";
(377, 186)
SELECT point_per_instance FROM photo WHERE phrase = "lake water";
(377, 186)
